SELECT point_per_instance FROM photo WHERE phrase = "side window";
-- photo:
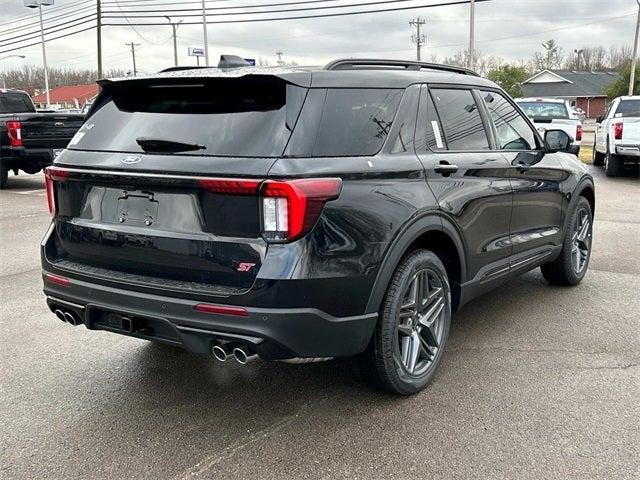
(462, 125)
(429, 131)
(514, 133)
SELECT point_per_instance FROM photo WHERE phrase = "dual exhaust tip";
(68, 317)
(227, 351)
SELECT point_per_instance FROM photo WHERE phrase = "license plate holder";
(139, 209)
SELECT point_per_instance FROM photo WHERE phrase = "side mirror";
(599, 118)
(557, 141)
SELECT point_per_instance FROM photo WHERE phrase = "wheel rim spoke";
(419, 323)
(580, 242)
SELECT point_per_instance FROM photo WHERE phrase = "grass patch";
(586, 154)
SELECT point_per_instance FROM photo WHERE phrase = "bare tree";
(31, 78)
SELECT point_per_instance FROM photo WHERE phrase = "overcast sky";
(512, 29)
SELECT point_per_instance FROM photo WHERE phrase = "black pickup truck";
(29, 141)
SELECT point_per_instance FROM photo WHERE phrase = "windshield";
(548, 110)
(628, 108)
(240, 117)
(12, 102)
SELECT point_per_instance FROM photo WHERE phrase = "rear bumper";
(629, 151)
(272, 333)
(21, 156)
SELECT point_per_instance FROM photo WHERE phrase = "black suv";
(301, 215)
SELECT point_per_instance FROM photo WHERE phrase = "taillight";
(58, 280)
(51, 175)
(291, 207)
(14, 130)
(617, 130)
(230, 186)
(579, 132)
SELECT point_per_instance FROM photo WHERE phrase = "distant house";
(582, 89)
(69, 96)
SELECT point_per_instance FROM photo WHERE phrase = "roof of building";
(67, 93)
(567, 83)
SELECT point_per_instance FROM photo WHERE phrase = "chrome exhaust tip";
(71, 318)
(221, 353)
(243, 356)
(60, 314)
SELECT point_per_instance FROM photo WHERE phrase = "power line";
(46, 20)
(49, 29)
(48, 40)
(136, 31)
(51, 10)
(322, 15)
(259, 12)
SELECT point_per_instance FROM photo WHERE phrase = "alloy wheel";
(581, 241)
(421, 323)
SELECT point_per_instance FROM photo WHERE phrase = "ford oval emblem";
(131, 159)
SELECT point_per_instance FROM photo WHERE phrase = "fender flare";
(586, 181)
(398, 247)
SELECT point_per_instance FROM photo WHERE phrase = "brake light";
(14, 130)
(51, 175)
(617, 130)
(291, 207)
(579, 132)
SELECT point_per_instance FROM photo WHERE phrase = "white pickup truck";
(554, 113)
(617, 139)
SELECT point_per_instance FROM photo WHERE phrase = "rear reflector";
(290, 208)
(58, 280)
(617, 130)
(579, 132)
(14, 131)
(53, 174)
(221, 309)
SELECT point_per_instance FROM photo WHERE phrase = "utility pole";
(174, 27)
(632, 77)
(419, 39)
(204, 34)
(472, 21)
(578, 52)
(44, 58)
(133, 55)
(99, 36)
(279, 54)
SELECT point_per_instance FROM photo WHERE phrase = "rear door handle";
(445, 168)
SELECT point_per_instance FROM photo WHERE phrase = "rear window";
(628, 108)
(15, 103)
(547, 110)
(245, 117)
(226, 117)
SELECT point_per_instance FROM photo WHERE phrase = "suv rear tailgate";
(48, 130)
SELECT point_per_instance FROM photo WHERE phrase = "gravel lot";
(537, 382)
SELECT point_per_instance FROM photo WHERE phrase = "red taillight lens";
(53, 174)
(617, 130)
(221, 309)
(579, 132)
(230, 186)
(290, 208)
(14, 130)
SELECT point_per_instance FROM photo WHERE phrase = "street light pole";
(632, 77)
(204, 34)
(472, 22)
(39, 4)
(44, 58)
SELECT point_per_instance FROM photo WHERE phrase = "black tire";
(4, 177)
(562, 271)
(381, 362)
(597, 158)
(611, 164)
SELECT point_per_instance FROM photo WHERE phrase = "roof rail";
(378, 64)
(178, 69)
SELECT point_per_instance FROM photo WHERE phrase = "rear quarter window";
(16, 103)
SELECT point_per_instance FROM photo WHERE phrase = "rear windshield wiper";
(154, 145)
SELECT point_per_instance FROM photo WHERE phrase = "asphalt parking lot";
(536, 382)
